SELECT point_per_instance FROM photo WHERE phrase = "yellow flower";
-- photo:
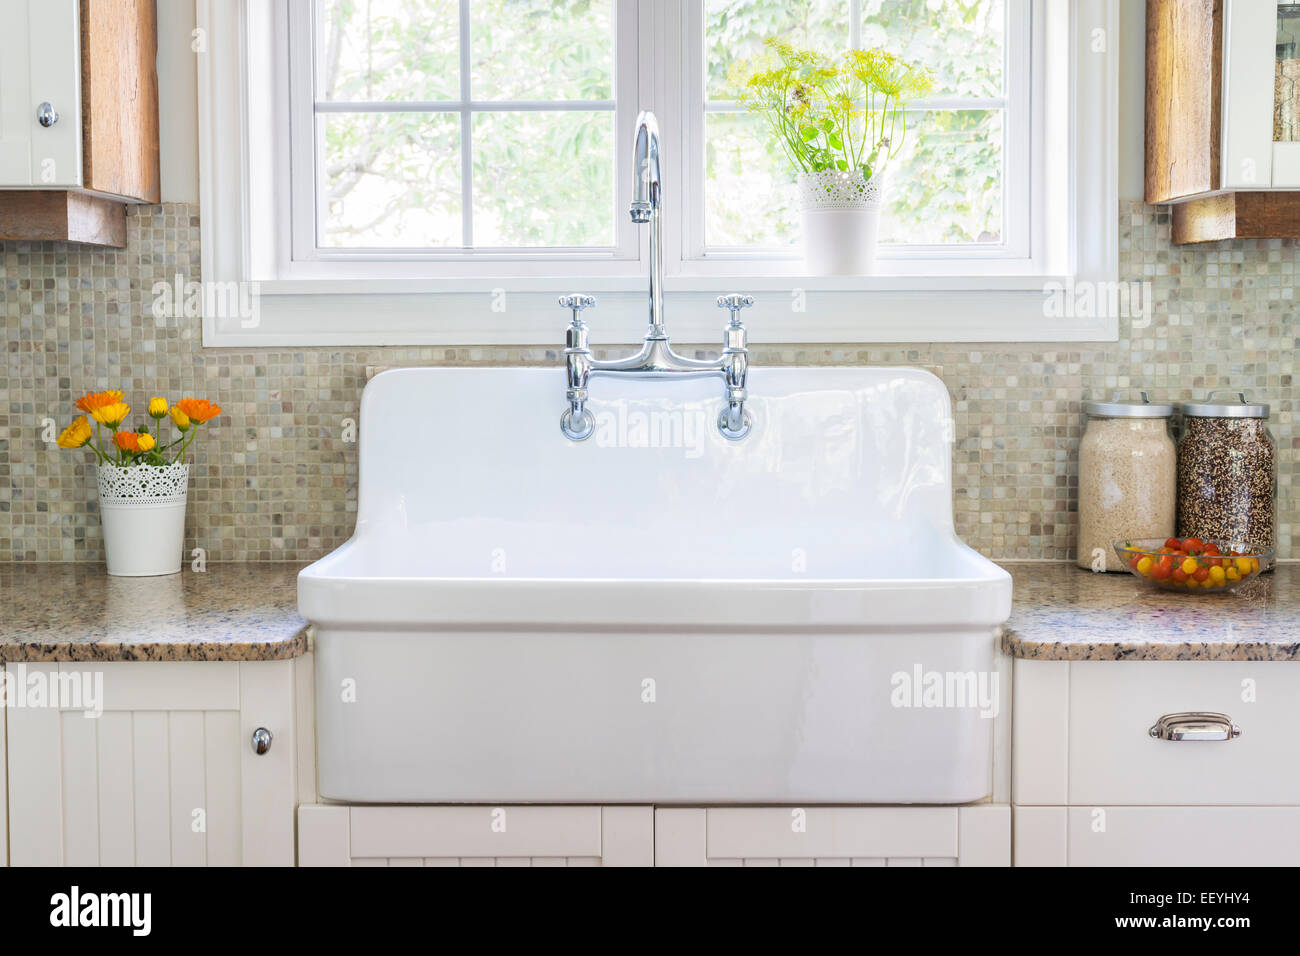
(111, 415)
(157, 407)
(180, 418)
(145, 441)
(76, 434)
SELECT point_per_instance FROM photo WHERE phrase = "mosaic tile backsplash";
(274, 481)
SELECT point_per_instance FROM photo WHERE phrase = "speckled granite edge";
(262, 650)
(1076, 649)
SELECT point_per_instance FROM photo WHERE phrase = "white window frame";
(497, 301)
(1021, 253)
(301, 258)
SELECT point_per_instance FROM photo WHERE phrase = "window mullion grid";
(466, 141)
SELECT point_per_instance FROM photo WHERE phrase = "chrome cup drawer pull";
(1195, 726)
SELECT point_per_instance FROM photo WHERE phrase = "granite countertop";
(76, 612)
(246, 612)
(1060, 612)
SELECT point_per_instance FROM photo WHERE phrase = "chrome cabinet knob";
(261, 740)
(47, 115)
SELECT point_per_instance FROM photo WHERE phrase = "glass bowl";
(1191, 564)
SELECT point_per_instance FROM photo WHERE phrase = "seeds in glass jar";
(1226, 481)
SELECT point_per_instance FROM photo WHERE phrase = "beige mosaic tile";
(274, 480)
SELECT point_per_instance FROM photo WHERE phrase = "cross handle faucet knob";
(735, 302)
(577, 301)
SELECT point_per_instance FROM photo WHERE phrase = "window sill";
(789, 309)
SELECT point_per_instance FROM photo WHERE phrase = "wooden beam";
(62, 216)
(119, 90)
(1255, 215)
(1184, 83)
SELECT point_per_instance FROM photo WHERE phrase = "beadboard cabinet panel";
(166, 775)
(475, 836)
(833, 836)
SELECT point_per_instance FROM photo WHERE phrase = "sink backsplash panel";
(274, 480)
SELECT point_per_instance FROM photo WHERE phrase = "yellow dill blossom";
(180, 419)
(157, 408)
(111, 415)
(76, 434)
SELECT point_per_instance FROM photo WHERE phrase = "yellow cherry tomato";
(1190, 566)
(1144, 565)
(1233, 574)
(1254, 563)
(1217, 576)
(1245, 566)
(1191, 583)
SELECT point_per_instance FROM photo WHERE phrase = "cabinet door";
(833, 836)
(40, 62)
(164, 775)
(1183, 836)
(475, 836)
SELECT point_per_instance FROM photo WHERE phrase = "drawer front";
(1183, 836)
(1113, 759)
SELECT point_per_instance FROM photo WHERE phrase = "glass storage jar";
(1127, 478)
(1227, 472)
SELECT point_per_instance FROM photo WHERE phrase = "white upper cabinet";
(1261, 94)
(40, 62)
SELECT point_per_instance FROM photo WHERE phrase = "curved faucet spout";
(646, 184)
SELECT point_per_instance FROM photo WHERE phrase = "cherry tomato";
(1179, 575)
(1162, 569)
(1193, 544)
(1202, 574)
(1173, 544)
(1212, 548)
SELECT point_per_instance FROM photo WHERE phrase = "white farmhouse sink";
(521, 618)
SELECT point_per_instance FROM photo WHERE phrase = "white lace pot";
(840, 213)
(143, 512)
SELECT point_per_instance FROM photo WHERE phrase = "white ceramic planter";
(143, 513)
(840, 213)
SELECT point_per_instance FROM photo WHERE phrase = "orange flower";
(128, 441)
(199, 410)
(93, 400)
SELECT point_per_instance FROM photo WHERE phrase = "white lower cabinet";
(645, 836)
(167, 774)
(833, 836)
(1091, 786)
(475, 836)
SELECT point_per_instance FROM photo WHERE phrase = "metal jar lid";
(1243, 407)
(1118, 409)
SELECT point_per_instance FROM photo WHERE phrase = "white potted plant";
(839, 121)
(143, 481)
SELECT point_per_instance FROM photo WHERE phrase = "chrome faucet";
(656, 356)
